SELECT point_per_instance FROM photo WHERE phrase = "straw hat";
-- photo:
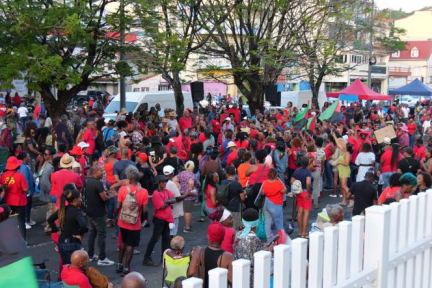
(173, 114)
(66, 161)
(19, 139)
(245, 130)
(123, 111)
(231, 144)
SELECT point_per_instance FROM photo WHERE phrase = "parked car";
(84, 96)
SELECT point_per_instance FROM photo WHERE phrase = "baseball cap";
(168, 170)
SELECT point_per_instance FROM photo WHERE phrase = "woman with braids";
(71, 221)
(388, 164)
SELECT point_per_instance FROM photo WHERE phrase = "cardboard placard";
(387, 131)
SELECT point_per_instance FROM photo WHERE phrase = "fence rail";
(389, 247)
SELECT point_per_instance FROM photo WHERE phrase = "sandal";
(305, 236)
(351, 205)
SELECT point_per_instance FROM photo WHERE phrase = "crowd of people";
(239, 170)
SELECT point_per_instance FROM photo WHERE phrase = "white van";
(298, 98)
(138, 101)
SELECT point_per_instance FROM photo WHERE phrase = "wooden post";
(316, 257)
(298, 270)
(192, 283)
(218, 278)
(281, 266)
(262, 269)
(241, 273)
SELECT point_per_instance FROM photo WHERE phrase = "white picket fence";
(389, 247)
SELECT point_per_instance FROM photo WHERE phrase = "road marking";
(41, 244)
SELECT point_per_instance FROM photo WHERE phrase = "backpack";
(222, 194)
(299, 155)
(99, 142)
(130, 208)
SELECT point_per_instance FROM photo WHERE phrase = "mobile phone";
(274, 240)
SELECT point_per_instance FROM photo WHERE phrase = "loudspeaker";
(271, 94)
(197, 90)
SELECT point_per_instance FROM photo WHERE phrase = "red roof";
(128, 36)
(361, 90)
(424, 47)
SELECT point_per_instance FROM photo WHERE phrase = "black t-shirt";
(95, 204)
(364, 194)
(172, 161)
(235, 189)
(60, 129)
(409, 165)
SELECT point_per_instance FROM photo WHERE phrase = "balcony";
(399, 71)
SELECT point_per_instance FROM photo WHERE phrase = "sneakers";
(149, 262)
(187, 230)
(145, 224)
(31, 222)
(126, 271)
(105, 262)
(94, 258)
(290, 194)
(119, 268)
(332, 195)
(28, 226)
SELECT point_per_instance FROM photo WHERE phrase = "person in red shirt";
(185, 122)
(162, 218)
(388, 164)
(412, 128)
(234, 110)
(91, 102)
(73, 274)
(216, 126)
(130, 233)
(16, 100)
(89, 137)
(64, 176)
(16, 189)
(3, 108)
(419, 150)
(232, 153)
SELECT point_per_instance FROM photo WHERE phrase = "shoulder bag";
(249, 188)
(200, 271)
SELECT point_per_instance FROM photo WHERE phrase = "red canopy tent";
(361, 90)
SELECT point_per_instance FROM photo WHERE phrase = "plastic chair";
(174, 268)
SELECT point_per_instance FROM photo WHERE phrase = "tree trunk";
(254, 91)
(315, 88)
(178, 94)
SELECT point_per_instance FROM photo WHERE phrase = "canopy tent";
(415, 88)
(361, 90)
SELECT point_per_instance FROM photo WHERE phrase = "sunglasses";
(47, 154)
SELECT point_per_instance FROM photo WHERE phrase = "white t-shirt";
(122, 134)
(405, 111)
(22, 111)
(426, 125)
(177, 208)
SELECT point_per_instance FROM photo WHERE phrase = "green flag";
(301, 115)
(328, 113)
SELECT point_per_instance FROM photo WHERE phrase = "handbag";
(200, 271)
(260, 199)
(97, 279)
(260, 231)
(249, 188)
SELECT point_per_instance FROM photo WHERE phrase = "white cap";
(227, 119)
(204, 103)
(83, 145)
(167, 170)
(225, 215)
(231, 144)
(386, 140)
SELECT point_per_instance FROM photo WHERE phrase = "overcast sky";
(407, 6)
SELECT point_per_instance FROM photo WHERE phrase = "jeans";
(273, 214)
(316, 187)
(28, 207)
(160, 228)
(111, 204)
(66, 250)
(329, 175)
(386, 179)
(21, 211)
(412, 140)
(97, 227)
(353, 176)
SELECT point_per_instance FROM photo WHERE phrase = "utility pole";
(369, 80)
(122, 55)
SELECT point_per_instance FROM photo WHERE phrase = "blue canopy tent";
(415, 88)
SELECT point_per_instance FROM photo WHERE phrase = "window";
(414, 52)
(143, 89)
(396, 54)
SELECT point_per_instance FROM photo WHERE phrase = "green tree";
(258, 39)
(172, 33)
(59, 45)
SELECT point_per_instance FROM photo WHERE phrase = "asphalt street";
(42, 248)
